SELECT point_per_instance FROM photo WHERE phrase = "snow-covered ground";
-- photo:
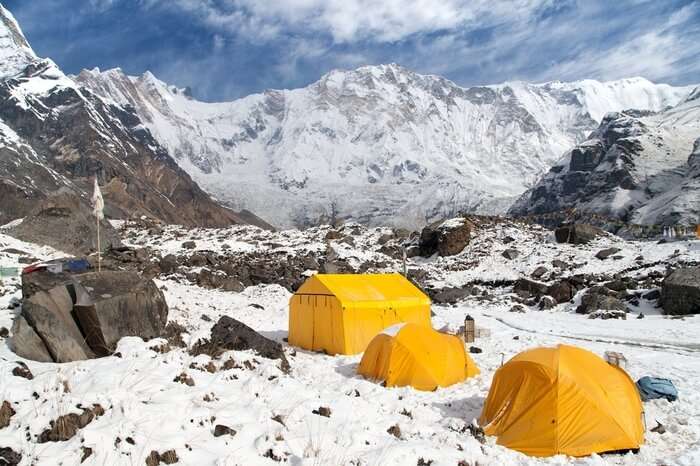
(145, 409)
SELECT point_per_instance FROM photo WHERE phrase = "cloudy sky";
(225, 49)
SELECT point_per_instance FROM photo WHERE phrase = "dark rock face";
(111, 305)
(70, 135)
(445, 238)
(577, 233)
(680, 292)
(529, 288)
(66, 222)
(229, 334)
(70, 317)
(561, 291)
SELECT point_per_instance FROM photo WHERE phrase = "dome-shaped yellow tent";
(563, 400)
(416, 355)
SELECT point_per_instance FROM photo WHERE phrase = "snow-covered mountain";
(379, 144)
(55, 133)
(639, 167)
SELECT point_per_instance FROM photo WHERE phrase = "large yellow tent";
(563, 400)
(340, 314)
(416, 355)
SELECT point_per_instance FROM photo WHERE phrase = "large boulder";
(25, 342)
(680, 291)
(110, 305)
(229, 334)
(446, 238)
(69, 317)
(50, 315)
(66, 222)
(577, 233)
(599, 298)
(529, 288)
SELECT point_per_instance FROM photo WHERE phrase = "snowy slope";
(379, 144)
(272, 412)
(637, 167)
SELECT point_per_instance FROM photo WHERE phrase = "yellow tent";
(416, 355)
(340, 314)
(563, 400)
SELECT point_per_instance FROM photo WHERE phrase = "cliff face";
(55, 134)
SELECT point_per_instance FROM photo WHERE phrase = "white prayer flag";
(97, 202)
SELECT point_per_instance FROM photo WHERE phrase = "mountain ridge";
(378, 144)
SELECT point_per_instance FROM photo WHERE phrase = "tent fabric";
(563, 400)
(340, 314)
(417, 356)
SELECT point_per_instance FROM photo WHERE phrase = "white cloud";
(348, 21)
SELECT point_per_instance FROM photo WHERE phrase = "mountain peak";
(15, 51)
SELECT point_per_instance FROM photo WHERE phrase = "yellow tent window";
(417, 356)
(341, 313)
(563, 400)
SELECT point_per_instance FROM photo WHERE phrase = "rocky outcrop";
(229, 334)
(579, 233)
(445, 238)
(55, 133)
(599, 298)
(680, 291)
(637, 168)
(70, 317)
(65, 221)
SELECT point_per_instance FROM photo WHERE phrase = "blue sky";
(224, 49)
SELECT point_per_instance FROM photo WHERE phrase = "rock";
(508, 239)
(230, 334)
(620, 284)
(66, 222)
(50, 315)
(606, 314)
(189, 245)
(605, 253)
(446, 238)
(659, 428)
(26, 343)
(65, 427)
(232, 284)
(221, 429)
(322, 411)
(395, 430)
(538, 272)
(562, 291)
(547, 302)
(510, 254)
(111, 305)
(640, 316)
(559, 264)
(579, 233)
(475, 350)
(652, 295)
(6, 413)
(21, 370)
(450, 295)
(4, 332)
(168, 264)
(9, 457)
(528, 288)
(595, 299)
(168, 457)
(86, 453)
(517, 308)
(680, 292)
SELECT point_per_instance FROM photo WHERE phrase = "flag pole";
(99, 249)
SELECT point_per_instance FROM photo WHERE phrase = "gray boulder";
(578, 233)
(680, 292)
(605, 253)
(511, 254)
(110, 305)
(529, 288)
(446, 238)
(26, 343)
(597, 299)
(50, 314)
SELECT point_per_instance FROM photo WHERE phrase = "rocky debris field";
(221, 386)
